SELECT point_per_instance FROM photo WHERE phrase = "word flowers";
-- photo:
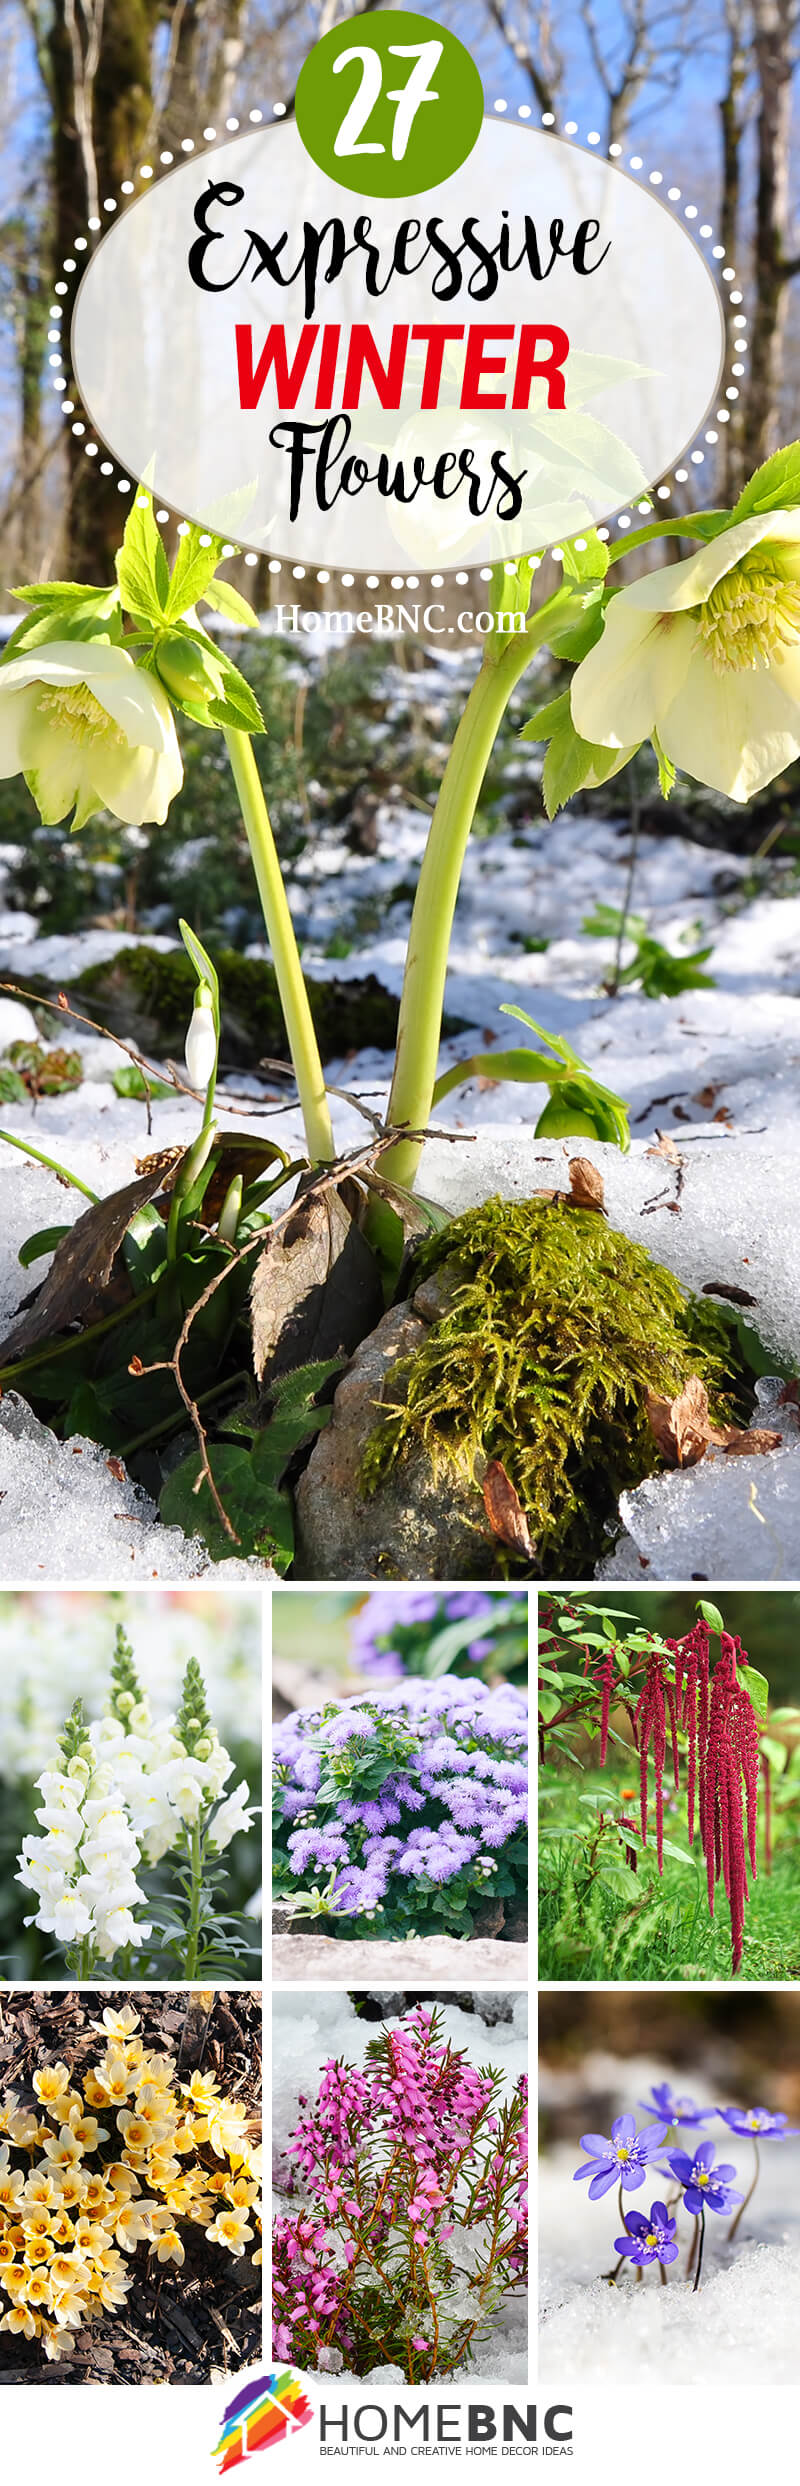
(114, 2160)
(128, 1793)
(416, 2228)
(409, 1802)
(696, 2180)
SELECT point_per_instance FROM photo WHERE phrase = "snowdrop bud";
(195, 1160)
(231, 1211)
(201, 1041)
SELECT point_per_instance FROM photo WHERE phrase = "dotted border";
(71, 267)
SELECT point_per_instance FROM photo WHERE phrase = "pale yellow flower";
(705, 653)
(89, 730)
(232, 2229)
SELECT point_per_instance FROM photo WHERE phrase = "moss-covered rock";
(554, 1327)
(146, 995)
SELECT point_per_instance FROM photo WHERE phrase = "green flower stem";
(194, 1916)
(748, 2195)
(74, 1180)
(294, 998)
(422, 1001)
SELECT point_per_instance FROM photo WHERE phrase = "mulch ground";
(177, 2325)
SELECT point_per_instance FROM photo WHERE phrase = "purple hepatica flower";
(649, 2239)
(623, 2159)
(706, 2187)
(757, 2123)
(675, 2110)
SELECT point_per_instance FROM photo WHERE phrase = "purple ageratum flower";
(675, 2110)
(705, 2187)
(624, 2159)
(757, 2123)
(649, 2239)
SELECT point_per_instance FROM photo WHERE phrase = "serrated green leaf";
(547, 720)
(193, 571)
(223, 598)
(587, 558)
(141, 564)
(775, 485)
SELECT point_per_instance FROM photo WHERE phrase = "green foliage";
(556, 1328)
(775, 485)
(129, 1080)
(600, 1921)
(654, 968)
(577, 1101)
(249, 1475)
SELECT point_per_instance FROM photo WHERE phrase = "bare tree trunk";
(732, 119)
(97, 65)
(206, 44)
(541, 66)
(774, 26)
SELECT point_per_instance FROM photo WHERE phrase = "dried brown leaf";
(680, 1426)
(82, 1282)
(316, 1291)
(504, 1510)
(586, 1186)
(756, 1438)
(664, 1146)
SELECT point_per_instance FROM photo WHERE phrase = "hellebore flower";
(649, 2239)
(757, 2123)
(88, 728)
(675, 2110)
(623, 2159)
(706, 2187)
(705, 653)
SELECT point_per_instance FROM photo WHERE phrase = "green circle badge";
(390, 105)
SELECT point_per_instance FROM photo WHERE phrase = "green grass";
(600, 1921)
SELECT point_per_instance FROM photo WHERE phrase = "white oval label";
(465, 377)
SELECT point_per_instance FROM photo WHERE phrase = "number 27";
(408, 98)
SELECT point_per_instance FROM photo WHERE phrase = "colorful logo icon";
(264, 2412)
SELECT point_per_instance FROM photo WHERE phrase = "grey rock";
(416, 1526)
(422, 1960)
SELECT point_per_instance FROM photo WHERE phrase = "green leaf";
(711, 1614)
(522, 1064)
(549, 1705)
(203, 964)
(773, 1752)
(775, 485)
(223, 598)
(141, 564)
(37, 1244)
(62, 592)
(588, 558)
(547, 720)
(129, 1080)
(680, 1855)
(194, 569)
(666, 770)
(757, 1687)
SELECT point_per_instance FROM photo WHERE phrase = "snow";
(741, 2327)
(307, 2031)
(715, 1069)
(64, 1521)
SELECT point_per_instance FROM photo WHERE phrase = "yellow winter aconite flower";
(706, 654)
(72, 2219)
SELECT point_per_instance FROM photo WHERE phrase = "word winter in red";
(498, 363)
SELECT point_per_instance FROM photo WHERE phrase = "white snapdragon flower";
(183, 1782)
(71, 1918)
(89, 730)
(234, 1815)
(116, 1928)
